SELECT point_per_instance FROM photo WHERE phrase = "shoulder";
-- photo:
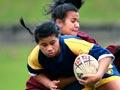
(33, 58)
(34, 53)
(76, 41)
(78, 46)
(86, 37)
(63, 38)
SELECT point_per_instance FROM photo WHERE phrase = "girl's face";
(70, 25)
(50, 46)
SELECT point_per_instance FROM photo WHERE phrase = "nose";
(77, 24)
(49, 48)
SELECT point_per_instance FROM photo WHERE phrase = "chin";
(74, 33)
(50, 56)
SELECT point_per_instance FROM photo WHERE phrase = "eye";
(73, 20)
(44, 45)
(52, 42)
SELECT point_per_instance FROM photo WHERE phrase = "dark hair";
(61, 11)
(60, 8)
(46, 29)
(76, 3)
(43, 30)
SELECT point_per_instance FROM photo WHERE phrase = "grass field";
(33, 11)
(13, 71)
(13, 58)
(101, 11)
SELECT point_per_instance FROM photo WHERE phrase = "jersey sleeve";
(78, 46)
(98, 52)
(33, 65)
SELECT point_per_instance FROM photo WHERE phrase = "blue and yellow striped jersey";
(62, 65)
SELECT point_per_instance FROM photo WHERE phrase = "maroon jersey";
(115, 49)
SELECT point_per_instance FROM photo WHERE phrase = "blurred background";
(99, 18)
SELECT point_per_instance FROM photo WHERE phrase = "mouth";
(75, 30)
(51, 54)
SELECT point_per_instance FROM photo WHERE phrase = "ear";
(59, 22)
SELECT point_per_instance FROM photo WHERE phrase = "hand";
(90, 79)
(53, 85)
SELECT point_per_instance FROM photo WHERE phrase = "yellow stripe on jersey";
(88, 88)
(107, 80)
(33, 59)
(103, 82)
(78, 46)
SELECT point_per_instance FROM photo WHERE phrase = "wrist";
(99, 75)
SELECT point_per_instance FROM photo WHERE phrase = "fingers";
(56, 82)
(54, 86)
(83, 82)
(55, 89)
(86, 80)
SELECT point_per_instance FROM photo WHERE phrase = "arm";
(103, 65)
(42, 78)
(92, 79)
(104, 58)
(37, 70)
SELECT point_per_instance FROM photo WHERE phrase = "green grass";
(106, 11)
(13, 71)
(13, 58)
(33, 11)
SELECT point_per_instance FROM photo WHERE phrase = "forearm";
(43, 79)
(103, 65)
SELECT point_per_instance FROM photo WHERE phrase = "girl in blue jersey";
(67, 20)
(54, 57)
(66, 16)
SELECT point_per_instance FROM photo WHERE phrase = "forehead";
(72, 14)
(48, 39)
